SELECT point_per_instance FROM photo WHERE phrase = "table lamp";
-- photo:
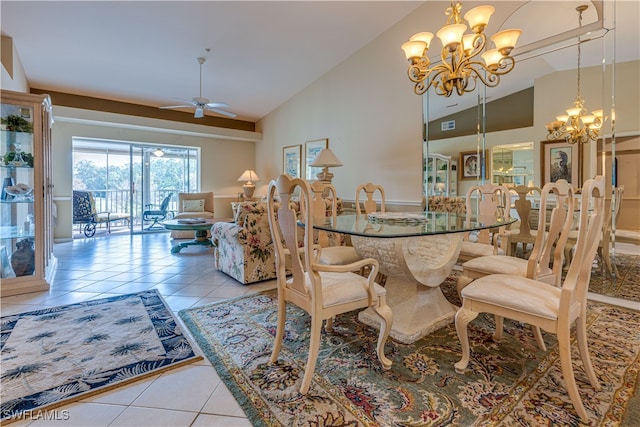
(325, 160)
(249, 176)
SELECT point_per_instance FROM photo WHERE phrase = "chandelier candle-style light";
(460, 68)
(577, 126)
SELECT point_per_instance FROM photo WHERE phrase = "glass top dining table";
(408, 224)
(417, 252)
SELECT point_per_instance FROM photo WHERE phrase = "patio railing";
(119, 201)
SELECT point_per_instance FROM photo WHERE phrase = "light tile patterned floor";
(192, 395)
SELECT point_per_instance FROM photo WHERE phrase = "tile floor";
(103, 266)
(192, 395)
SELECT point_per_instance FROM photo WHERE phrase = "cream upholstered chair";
(193, 205)
(323, 291)
(521, 231)
(604, 248)
(548, 247)
(554, 309)
(332, 251)
(489, 200)
(370, 205)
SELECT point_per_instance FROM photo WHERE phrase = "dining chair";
(370, 205)
(323, 291)
(547, 255)
(522, 232)
(606, 238)
(551, 308)
(332, 251)
(483, 203)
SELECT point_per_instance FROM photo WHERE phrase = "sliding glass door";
(135, 178)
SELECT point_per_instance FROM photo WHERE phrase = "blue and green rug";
(57, 355)
(508, 383)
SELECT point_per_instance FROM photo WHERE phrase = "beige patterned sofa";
(243, 248)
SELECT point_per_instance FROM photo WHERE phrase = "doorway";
(130, 177)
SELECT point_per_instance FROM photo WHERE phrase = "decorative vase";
(23, 260)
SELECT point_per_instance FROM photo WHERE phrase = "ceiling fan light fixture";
(201, 104)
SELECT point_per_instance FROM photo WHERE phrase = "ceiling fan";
(201, 104)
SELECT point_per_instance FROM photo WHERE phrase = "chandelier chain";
(577, 126)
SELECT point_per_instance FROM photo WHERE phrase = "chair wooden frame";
(538, 266)
(556, 309)
(523, 208)
(604, 247)
(369, 205)
(323, 291)
(492, 200)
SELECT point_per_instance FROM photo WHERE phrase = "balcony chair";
(323, 291)
(157, 215)
(86, 216)
(541, 304)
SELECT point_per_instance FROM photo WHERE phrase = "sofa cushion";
(193, 205)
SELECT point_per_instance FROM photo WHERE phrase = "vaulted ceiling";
(261, 52)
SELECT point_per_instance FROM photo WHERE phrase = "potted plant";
(16, 123)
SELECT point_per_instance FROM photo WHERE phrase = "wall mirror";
(514, 153)
(512, 164)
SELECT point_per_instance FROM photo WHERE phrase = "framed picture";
(470, 164)
(561, 160)
(291, 160)
(311, 149)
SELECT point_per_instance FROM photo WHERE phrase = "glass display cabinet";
(26, 208)
(441, 176)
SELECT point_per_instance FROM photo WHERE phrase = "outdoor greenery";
(166, 174)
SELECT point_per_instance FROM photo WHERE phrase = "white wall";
(369, 113)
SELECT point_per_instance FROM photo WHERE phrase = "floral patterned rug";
(508, 383)
(625, 286)
(61, 354)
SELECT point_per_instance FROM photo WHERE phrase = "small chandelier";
(577, 126)
(459, 70)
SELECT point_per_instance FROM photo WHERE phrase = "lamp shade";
(249, 176)
(325, 158)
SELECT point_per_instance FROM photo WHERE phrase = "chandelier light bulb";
(451, 36)
(506, 40)
(478, 17)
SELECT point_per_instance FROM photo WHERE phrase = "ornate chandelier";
(459, 70)
(577, 126)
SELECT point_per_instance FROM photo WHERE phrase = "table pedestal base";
(200, 238)
(418, 310)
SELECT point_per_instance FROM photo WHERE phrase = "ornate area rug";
(57, 355)
(626, 285)
(508, 383)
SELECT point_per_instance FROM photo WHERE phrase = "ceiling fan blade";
(178, 106)
(219, 111)
(217, 105)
